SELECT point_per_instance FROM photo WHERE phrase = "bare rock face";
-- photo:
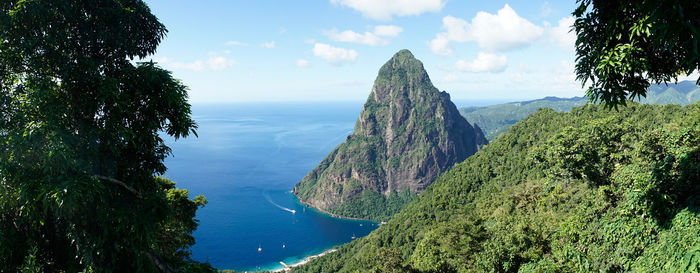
(408, 133)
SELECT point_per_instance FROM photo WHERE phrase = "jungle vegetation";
(595, 189)
(80, 143)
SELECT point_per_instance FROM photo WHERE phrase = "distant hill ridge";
(407, 134)
(496, 119)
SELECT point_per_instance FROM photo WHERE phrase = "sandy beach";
(304, 261)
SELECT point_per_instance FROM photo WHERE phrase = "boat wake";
(277, 205)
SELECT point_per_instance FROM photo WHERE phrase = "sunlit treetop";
(623, 46)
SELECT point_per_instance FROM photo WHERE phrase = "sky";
(331, 50)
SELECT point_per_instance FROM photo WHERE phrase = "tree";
(624, 45)
(80, 144)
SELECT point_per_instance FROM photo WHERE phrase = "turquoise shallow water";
(246, 160)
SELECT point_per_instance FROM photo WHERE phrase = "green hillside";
(496, 119)
(585, 191)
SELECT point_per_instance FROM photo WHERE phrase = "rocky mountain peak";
(407, 134)
(402, 71)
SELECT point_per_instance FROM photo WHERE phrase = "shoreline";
(281, 266)
(303, 261)
(332, 214)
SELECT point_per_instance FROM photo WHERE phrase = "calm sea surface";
(246, 160)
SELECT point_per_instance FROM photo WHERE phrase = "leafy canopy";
(593, 190)
(80, 143)
(622, 46)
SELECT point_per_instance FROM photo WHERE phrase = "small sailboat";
(353, 236)
(259, 248)
(283, 246)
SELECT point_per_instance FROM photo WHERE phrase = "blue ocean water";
(246, 160)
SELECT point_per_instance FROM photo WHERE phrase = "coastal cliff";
(407, 134)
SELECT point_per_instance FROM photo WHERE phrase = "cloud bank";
(499, 32)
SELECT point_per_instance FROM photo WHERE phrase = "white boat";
(259, 248)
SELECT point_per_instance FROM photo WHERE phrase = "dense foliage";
(586, 191)
(373, 205)
(496, 119)
(80, 144)
(624, 45)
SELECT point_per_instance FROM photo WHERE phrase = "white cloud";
(236, 43)
(350, 36)
(385, 9)
(303, 63)
(503, 31)
(334, 55)
(213, 63)
(456, 30)
(499, 32)
(440, 46)
(387, 30)
(220, 63)
(270, 44)
(561, 35)
(375, 38)
(484, 62)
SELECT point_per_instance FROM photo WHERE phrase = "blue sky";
(331, 50)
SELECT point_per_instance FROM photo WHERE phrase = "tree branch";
(115, 181)
(160, 263)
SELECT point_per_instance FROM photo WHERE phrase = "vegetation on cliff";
(589, 190)
(407, 134)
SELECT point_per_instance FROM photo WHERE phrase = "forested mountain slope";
(585, 191)
(408, 133)
(496, 119)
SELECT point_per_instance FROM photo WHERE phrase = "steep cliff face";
(407, 134)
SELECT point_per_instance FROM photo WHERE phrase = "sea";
(245, 161)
